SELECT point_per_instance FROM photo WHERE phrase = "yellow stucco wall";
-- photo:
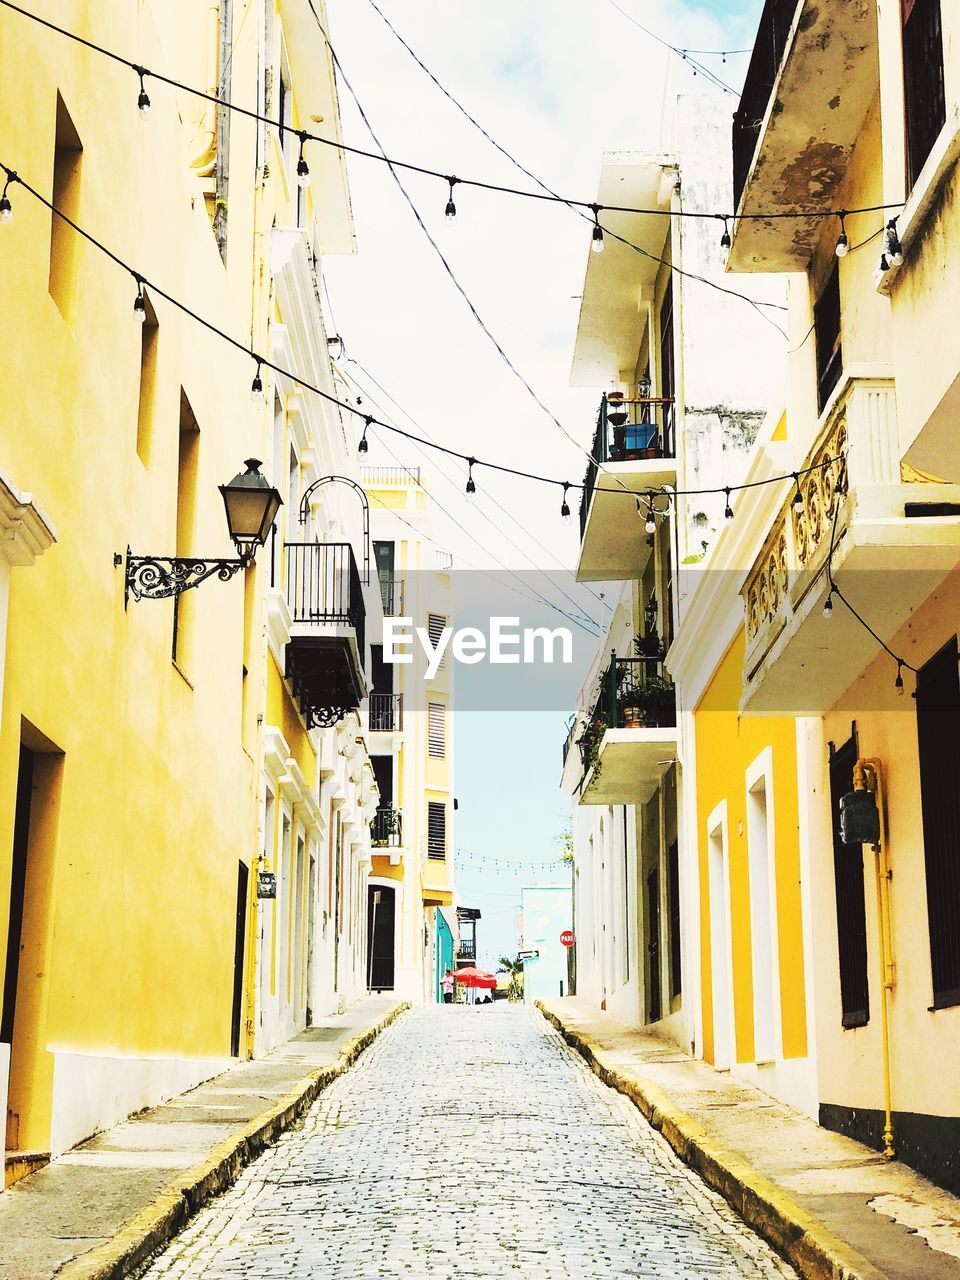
(726, 747)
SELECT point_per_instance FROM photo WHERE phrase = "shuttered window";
(938, 737)
(435, 624)
(826, 324)
(851, 911)
(437, 730)
(436, 830)
(924, 99)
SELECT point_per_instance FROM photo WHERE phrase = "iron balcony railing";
(386, 712)
(634, 693)
(627, 430)
(322, 585)
(391, 593)
(387, 477)
(568, 740)
(768, 51)
(386, 829)
(467, 950)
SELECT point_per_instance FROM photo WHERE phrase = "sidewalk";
(831, 1207)
(102, 1208)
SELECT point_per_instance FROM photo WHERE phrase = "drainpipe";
(868, 776)
(222, 173)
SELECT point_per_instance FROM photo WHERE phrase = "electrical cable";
(683, 53)
(304, 135)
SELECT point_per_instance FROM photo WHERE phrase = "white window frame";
(721, 940)
(764, 931)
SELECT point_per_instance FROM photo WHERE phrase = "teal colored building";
(444, 953)
(547, 913)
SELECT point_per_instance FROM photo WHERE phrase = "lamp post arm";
(159, 577)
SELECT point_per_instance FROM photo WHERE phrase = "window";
(149, 349)
(826, 324)
(435, 625)
(667, 368)
(65, 196)
(851, 913)
(187, 464)
(938, 713)
(436, 830)
(924, 99)
(437, 730)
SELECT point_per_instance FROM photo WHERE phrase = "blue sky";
(557, 82)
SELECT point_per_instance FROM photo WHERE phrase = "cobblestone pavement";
(468, 1142)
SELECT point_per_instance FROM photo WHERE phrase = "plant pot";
(614, 397)
(633, 718)
(653, 451)
(617, 419)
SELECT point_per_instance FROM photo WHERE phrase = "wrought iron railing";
(322, 585)
(387, 477)
(467, 949)
(386, 712)
(768, 50)
(634, 693)
(627, 430)
(568, 740)
(391, 593)
(386, 829)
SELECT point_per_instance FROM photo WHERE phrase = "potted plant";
(657, 698)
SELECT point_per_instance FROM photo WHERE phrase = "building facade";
(547, 917)
(158, 754)
(413, 923)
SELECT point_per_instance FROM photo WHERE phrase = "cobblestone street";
(468, 1142)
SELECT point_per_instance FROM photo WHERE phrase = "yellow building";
(874, 92)
(135, 736)
(411, 885)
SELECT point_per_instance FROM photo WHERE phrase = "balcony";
(631, 734)
(634, 443)
(386, 712)
(466, 951)
(386, 829)
(895, 540)
(811, 79)
(389, 477)
(325, 652)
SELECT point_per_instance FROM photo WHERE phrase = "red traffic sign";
(566, 937)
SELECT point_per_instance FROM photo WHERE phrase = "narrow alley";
(468, 1142)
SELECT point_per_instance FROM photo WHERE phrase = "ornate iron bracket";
(159, 577)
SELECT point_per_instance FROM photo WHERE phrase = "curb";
(796, 1235)
(155, 1226)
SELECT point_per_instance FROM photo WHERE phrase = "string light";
(451, 210)
(143, 99)
(725, 240)
(596, 244)
(898, 683)
(893, 249)
(798, 496)
(728, 510)
(471, 488)
(828, 605)
(565, 516)
(843, 244)
(139, 303)
(256, 386)
(303, 169)
(363, 447)
(651, 523)
(6, 208)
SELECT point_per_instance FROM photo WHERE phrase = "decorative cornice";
(25, 531)
(275, 753)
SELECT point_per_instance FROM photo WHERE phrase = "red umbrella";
(470, 976)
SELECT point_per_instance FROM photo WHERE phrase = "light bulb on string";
(139, 303)
(303, 169)
(728, 510)
(363, 447)
(256, 386)
(6, 208)
(843, 244)
(798, 496)
(471, 489)
(596, 244)
(651, 524)
(450, 212)
(828, 605)
(565, 516)
(725, 240)
(898, 683)
(143, 98)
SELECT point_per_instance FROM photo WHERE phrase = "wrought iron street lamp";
(251, 505)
